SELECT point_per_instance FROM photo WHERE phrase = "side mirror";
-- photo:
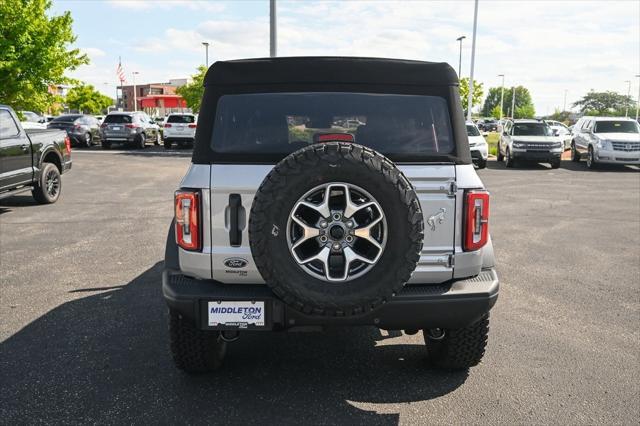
(556, 133)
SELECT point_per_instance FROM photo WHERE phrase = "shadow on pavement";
(20, 200)
(565, 164)
(104, 358)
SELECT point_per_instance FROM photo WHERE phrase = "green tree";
(525, 111)
(87, 100)
(523, 101)
(192, 92)
(478, 93)
(604, 103)
(34, 53)
(495, 112)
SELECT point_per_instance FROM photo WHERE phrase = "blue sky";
(548, 46)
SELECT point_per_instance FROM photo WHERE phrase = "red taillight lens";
(77, 127)
(103, 125)
(131, 126)
(167, 125)
(332, 137)
(476, 232)
(193, 126)
(187, 209)
(67, 144)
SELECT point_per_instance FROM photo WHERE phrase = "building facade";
(156, 99)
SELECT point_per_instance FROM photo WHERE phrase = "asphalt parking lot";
(83, 336)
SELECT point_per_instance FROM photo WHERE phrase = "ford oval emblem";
(235, 262)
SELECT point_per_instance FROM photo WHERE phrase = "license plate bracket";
(236, 314)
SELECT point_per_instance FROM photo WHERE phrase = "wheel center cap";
(336, 232)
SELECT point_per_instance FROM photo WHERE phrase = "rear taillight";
(476, 231)
(187, 210)
(103, 125)
(167, 125)
(334, 137)
(131, 126)
(77, 127)
(67, 144)
(193, 126)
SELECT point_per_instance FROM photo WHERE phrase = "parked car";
(100, 118)
(133, 128)
(606, 140)
(82, 129)
(31, 160)
(529, 140)
(478, 145)
(32, 117)
(179, 128)
(563, 131)
(276, 232)
(488, 125)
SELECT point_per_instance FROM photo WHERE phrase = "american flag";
(120, 72)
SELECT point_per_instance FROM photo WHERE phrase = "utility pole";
(626, 104)
(513, 103)
(564, 105)
(135, 91)
(501, 96)
(460, 58)
(273, 39)
(473, 59)
(638, 101)
(206, 52)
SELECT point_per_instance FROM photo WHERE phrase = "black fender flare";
(171, 258)
(46, 151)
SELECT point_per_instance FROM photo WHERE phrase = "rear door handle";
(235, 234)
(24, 147)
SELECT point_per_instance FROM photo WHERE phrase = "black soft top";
(327, 69)
(329, 74)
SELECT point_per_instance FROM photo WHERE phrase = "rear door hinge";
(453, 189)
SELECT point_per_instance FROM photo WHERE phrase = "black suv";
(132, 128)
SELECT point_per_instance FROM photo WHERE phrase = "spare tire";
(335, 229)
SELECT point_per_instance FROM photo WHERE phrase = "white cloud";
(195, 5)
(93, 52)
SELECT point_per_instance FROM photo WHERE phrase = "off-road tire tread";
(193, 350)
(302, 161)
(460, 348)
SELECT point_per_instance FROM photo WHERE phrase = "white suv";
(606, 140)
(180, 128)
(478, 145)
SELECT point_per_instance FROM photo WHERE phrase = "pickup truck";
(289, 220)
(31, 160)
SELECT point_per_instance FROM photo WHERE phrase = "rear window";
(117, 118)
(66, 118)
(472, 130)
(181, 119)
(403, 127)
(615, 127)
(531, 129)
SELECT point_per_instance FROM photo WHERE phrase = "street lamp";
(473, 59)
(626, 103)
(460, 58)
(564, 105)
(272, 29)
(135, 92)
(513, 103)
(206, 50)
(501, 95)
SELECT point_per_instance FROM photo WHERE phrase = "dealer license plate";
(236, 314)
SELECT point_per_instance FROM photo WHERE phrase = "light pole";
(135, 91)
(564, 105)
(460, 58)
(272, 29)
(473, 59)
(638, 101)
(501, 95)
(513, 103)
(626, 104)
(206, 52)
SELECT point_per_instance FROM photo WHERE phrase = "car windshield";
(181, 119)
(117, 118)
(616, 127)
(280, 123)
(472, 130)
(531, 129)
(66, 118)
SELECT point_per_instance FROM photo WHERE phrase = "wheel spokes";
(308, 232)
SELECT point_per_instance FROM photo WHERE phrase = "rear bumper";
(454, 304)
(174, 138)
(479, 152)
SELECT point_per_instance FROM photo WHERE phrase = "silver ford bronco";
(328, 191)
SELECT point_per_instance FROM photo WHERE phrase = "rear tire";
(194, 350)
(509, 160)
(158, 139)
(459, 348)
(49, 185)
(591, 161)
(500, 156)
(141, 141)
(555, 164)
(482, 163)
(575, 155)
